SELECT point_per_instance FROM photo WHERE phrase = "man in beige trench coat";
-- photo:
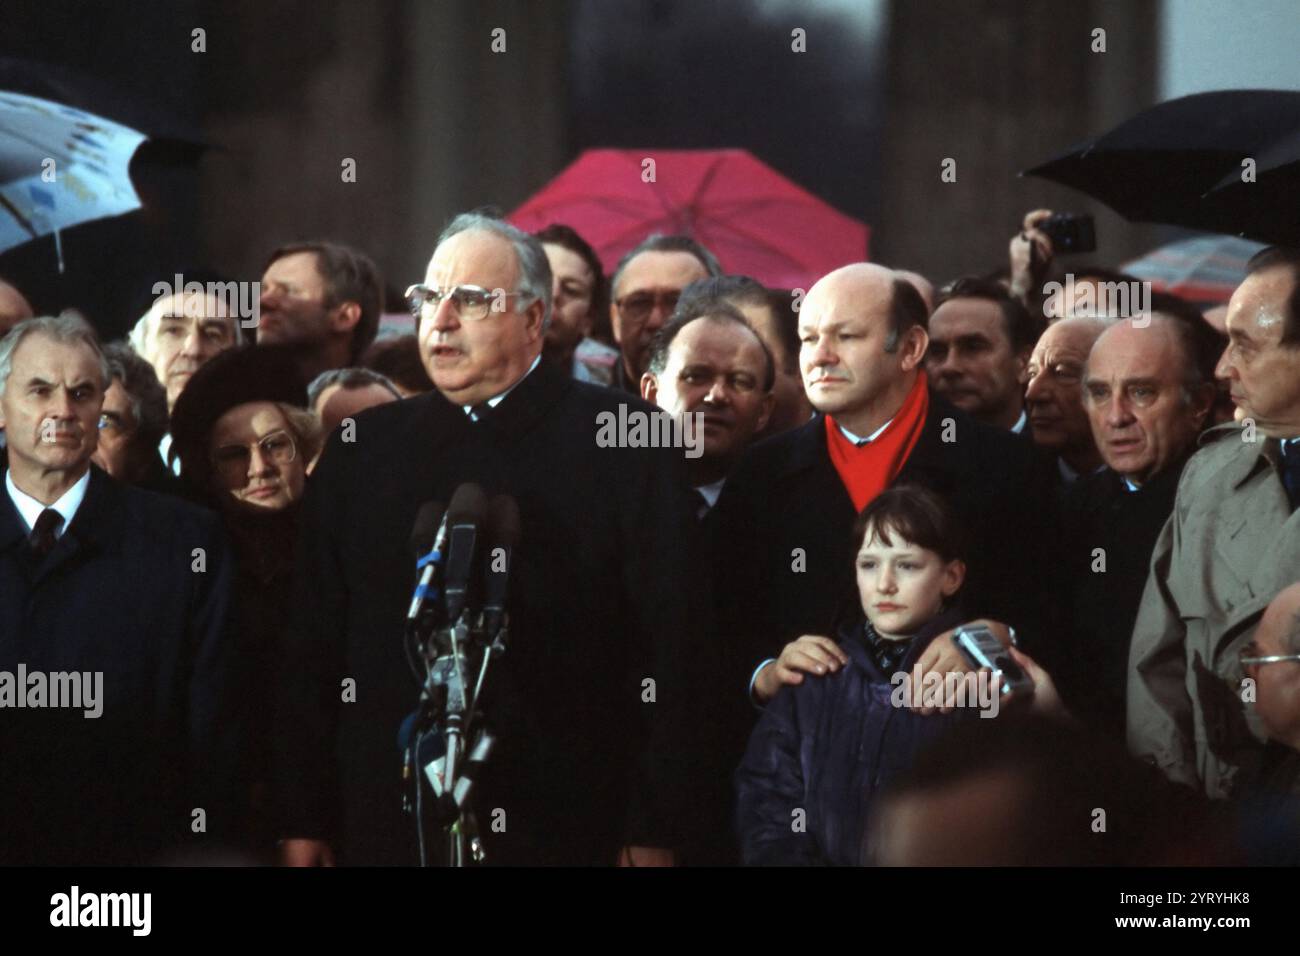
(1231, 544)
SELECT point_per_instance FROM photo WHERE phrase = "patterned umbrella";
(60, 167)
(1203, 270)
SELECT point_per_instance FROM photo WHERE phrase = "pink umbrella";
(757, 222)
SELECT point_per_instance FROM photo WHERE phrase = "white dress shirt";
(710, 494)
(165, 449)
(859, 441)
(31, 509)
(495, 400)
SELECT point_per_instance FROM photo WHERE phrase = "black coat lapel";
(528, 402)
(95, 528)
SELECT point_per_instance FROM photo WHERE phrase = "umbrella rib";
(662, 200)
(22, 220)
(705, 181)
(38, 145)
(763, 244)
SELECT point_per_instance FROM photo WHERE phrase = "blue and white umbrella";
(60, 167)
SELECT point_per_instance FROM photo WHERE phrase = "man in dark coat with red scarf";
(784, 548)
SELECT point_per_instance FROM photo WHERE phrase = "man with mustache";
(643, 293)
(1231, 544)
(1147, 389)
(97, 577)
(708, 363)
(785, 518)
(587, 770)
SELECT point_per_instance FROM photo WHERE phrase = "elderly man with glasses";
(643, 294)
(132, 423)
(586, 770)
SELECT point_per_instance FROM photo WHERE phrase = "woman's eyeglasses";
(277, 447)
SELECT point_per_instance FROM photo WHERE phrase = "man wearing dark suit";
(709, 368)
(980, 341)
(1147, 387)
(120, 594)
(588, 768)
(784, 544)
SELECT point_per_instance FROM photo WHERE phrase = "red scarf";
(868, 470)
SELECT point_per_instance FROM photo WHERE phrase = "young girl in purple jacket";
(825, 746)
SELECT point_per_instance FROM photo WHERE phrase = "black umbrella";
(1181, 163)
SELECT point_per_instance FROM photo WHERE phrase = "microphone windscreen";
(468, 505)
(426, 527)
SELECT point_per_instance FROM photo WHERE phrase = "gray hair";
(67, 329)
(138, 337)
(661, 243)
(348, 378)
(143, 390)
(534, 267)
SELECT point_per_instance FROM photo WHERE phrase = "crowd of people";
(718, 657)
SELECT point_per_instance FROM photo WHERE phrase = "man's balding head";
(1054, 396)
(922, 285)
(1144, 394)
(1262, 362)
(862, 330)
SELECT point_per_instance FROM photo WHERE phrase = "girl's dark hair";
(917, 515)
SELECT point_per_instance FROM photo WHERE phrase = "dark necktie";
(480, 411)
(1291, 472)
(42, 538)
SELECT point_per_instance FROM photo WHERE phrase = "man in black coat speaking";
(115, 671)
(785, 557)
(589, 701)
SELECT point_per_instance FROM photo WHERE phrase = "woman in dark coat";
(245, 440)
(826, 746)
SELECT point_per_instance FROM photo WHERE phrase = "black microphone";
(502, 538)
(428, 538)
(465, 515)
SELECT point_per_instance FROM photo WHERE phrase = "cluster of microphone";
(456, 624)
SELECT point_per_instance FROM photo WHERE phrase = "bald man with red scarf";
(783, 550)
